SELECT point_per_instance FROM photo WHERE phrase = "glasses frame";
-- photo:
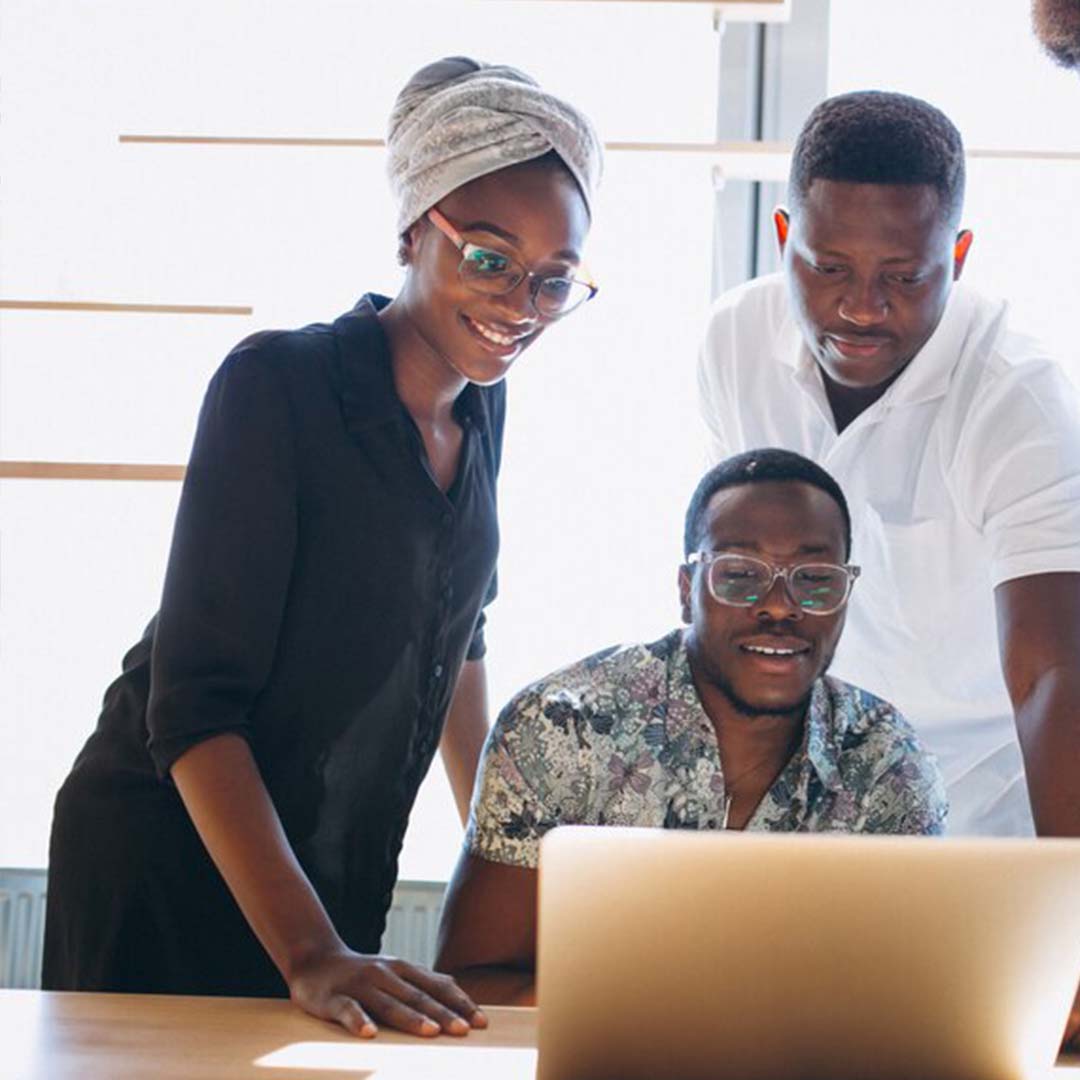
(535, 280)
(707, 558)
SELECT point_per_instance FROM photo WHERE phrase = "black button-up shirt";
(322, 594)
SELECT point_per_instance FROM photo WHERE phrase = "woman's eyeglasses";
(494, 273)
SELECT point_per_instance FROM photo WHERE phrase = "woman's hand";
(356, 990)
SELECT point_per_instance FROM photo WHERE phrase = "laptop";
(669, 955)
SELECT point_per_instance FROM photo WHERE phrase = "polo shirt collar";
(927, 376)
(368, 395)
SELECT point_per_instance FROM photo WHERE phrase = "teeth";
(494, 335)
(765, 650)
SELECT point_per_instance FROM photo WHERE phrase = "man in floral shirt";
(730, 722)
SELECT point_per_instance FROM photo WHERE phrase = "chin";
(486, 372)
(780, 704)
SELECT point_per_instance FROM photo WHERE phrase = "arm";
(223, 792)
(464, 733)
(1039, 636)
(487, 936)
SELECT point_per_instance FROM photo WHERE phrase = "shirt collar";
(825, 723)
(926, 377)
(368, 394)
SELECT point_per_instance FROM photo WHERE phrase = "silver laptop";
(682, 955)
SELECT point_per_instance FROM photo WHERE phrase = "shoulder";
(870, 727)
(1004, 370)
(278, 356)
(590, 695)
(757, 305)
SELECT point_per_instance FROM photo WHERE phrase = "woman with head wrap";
(232, 826)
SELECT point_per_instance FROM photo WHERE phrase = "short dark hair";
(769, 464)
(875, 137)
(1057, 26)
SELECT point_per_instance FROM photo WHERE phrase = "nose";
(518, 304)
(864, 303)
(777, 604)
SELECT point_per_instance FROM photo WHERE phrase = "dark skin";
(869, 268)
(437, 346)
(756, 704)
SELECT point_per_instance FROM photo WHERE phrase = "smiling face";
(763, 659)
(869, 268)
(533, 212)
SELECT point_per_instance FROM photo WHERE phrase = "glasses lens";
(738, 581)
(489, 271)
(819, 588)
(560, 295)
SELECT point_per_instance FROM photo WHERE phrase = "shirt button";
(447, 519)
(437, 671)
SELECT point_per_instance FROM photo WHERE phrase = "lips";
(502, 340)
(858, 346)
(775, 647)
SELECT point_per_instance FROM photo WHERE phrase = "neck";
(425, 381)
(747, 738)
(848, 402)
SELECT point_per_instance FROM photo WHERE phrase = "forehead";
(905, 219)
(775, 515)
(538, 202)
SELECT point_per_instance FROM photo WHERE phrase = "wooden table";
(50, 1036)
(53, 1036)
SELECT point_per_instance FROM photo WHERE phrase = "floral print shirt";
(621, 738)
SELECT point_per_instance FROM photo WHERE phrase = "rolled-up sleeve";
(230, 562)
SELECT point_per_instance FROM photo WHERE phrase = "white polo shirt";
(964, 474)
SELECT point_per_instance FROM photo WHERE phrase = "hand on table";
(356, 991)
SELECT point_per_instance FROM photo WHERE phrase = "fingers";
(445, 990)
(364, 989)
(404, 988)
(409, 1016)
(347, 1012)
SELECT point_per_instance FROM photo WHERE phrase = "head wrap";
(458, 119)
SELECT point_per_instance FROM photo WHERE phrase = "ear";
(685, 586)
(409, 242)
(961, 248)
(782, 224)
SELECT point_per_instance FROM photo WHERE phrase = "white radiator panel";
(22, 927)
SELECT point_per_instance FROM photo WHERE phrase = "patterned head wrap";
(458, 119)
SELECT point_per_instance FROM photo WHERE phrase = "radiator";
(22, 927)
(411, 924)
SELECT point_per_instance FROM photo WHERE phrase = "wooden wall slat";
(87, 470)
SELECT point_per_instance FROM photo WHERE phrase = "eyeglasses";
(495, 273)
(742, 581)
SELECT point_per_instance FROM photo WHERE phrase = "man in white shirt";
(956, 440)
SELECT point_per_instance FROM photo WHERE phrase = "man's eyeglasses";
(742, 581)
(495, 273)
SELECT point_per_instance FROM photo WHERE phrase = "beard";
(752, 711)
(795, 710)
(1057, 26)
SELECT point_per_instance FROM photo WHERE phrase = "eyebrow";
(752, 545)
(510, 238)
(825, 253)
